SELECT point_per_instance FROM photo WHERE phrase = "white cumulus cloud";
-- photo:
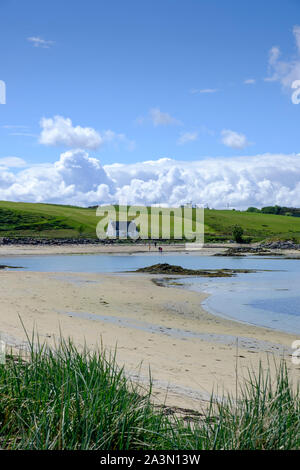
(77, 168)
(59, 131)
(76, 178)
(234, 139)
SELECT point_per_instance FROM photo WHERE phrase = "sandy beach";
(20, 250)
(189, 351)
(100, 248)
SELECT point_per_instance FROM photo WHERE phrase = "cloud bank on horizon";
(79, 179)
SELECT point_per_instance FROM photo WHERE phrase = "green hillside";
(18, 219)
(257, 226)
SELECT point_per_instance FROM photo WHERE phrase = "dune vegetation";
(70, 398)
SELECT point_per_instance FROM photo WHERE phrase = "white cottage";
(122, 229)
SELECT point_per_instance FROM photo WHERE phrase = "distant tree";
(272, 210)
(268, 210)
(237, 234)
(252, 209)
(277, 209)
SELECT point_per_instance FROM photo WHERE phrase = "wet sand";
(190, 352)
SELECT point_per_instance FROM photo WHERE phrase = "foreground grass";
(70, 399)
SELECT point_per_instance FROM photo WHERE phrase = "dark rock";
(244, 250)
(165, 268)
(281, 245)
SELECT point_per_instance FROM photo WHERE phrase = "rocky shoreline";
(49, 241)
(261, 249)
(270, 248)
(74, 241)
(281, 245)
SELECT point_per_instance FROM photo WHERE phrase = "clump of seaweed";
(165, 268)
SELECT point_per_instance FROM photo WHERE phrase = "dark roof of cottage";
(122, 225)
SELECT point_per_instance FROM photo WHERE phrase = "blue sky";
(183, 80)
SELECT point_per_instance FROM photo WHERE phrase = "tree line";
(277, 210)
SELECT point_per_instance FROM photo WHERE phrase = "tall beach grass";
(66, 398)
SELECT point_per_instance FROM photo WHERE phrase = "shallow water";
(270, 299)
(267, 298)
(129, 262)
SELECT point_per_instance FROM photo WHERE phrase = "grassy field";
(59, 221)
(257, 226)
(63, 398)
(18, 219)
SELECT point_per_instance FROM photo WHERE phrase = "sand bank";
(190, 351)
(206, 250)
(18, 250)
